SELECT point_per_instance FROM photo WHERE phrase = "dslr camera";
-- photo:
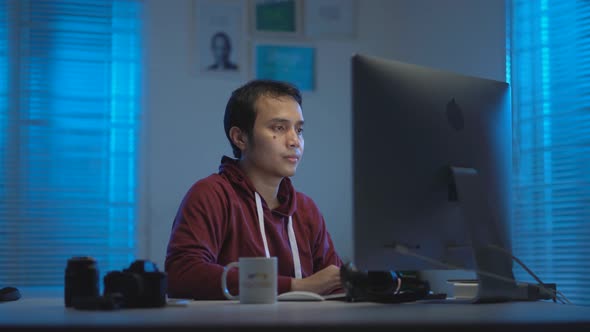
(141, 285)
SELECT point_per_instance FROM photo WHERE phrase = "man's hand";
(321, 282)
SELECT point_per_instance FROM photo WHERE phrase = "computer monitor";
(432, 166)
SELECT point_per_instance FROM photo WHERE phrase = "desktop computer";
(432, 165)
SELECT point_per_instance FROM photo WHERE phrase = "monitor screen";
(410, 124)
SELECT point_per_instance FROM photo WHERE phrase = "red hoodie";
(217, 223)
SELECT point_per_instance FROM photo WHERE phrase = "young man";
(250, 208)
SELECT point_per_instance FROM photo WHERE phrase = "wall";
(184, 138)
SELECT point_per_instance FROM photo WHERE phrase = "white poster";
(330, 18)
(219, 25)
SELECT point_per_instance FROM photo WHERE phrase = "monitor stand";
(496, 281)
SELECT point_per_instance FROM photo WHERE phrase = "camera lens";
(81, 279)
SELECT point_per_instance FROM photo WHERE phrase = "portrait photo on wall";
(219, 36)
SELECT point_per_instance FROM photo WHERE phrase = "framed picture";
(286, 62)
(220, 37)
(330, 19)
(276, 18)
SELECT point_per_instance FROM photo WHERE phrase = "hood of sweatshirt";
(286, 195)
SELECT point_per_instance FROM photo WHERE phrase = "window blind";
(69, 152)
(550, 77)
(4, 74)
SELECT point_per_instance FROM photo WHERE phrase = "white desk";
(48, 313)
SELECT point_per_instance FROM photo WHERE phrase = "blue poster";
(292, 64)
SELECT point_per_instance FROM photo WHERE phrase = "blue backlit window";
(69, 122)
(549, 69)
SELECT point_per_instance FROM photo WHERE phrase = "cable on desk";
(556, 295)
(530, 272)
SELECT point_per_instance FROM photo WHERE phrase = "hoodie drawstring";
(291, 232)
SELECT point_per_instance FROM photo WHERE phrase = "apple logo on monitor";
(455, 115)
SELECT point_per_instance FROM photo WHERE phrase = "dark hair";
(240, 111)
(223, 36)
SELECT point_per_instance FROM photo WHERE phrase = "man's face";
(276, 144)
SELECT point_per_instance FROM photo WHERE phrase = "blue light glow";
(550, 84)
(75, 136)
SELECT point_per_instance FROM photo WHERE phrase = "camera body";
(381, 286)
(141, 285)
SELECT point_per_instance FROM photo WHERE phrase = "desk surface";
(49, 313)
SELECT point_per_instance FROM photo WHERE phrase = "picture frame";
(276, 18)
(291, 62)
(330, 19)
(219, 38)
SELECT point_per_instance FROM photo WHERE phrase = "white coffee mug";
(257, 280)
